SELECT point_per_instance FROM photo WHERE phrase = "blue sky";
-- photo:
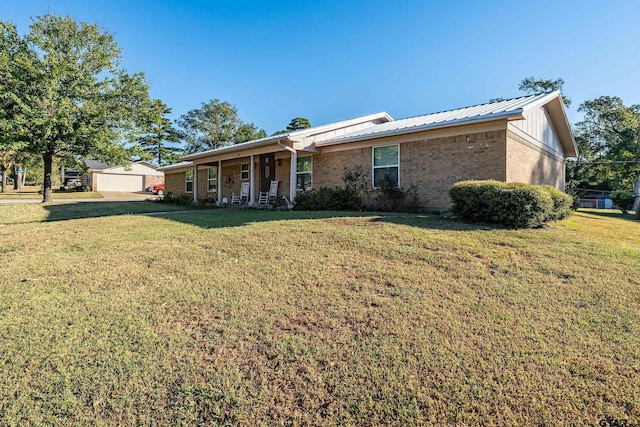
(333, 60)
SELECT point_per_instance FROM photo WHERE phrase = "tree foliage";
(533, 85)
(298, 123)
(216, 124)
(609, 139)
(295, 124)
(65, 92)
(158, 135)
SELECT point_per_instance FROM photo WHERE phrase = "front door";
(267, 171)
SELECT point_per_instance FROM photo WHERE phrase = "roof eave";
(237, 147)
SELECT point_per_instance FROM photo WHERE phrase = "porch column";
(252, 185)
(292, 177)
(219, 189)
(195, 183)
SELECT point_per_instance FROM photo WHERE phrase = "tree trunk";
(48, 162)
(61, 176)
(14, 175)
(19, 180)
(3, 182)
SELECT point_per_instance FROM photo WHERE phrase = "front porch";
(221, 175)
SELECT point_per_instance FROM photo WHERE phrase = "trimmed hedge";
(514, 205)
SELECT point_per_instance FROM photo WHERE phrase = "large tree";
(295, 124)
(533, 85)
(609, 142)
(159, 134)
(68, 94)
(216, 124)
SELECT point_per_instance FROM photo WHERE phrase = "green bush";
(180, 200)
(328, 198)
(563, 204)
(623, 200)
(356, 195)
(509, 204)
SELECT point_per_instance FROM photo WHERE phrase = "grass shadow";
(608, 213)
(208, 218)
(92, 209)
(220, 218)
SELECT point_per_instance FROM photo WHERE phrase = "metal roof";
(508, 109)
(289, 136)
(175, 166)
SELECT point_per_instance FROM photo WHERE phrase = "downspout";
(292, 173)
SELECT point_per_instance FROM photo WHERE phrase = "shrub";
(180, 200)
(563, 203)
(623, 200)
(328, 198)
(355, 195)
(356, 179)
(509, 204)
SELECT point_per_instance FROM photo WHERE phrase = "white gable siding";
(135, 169)
(340, 131)
(537, 125)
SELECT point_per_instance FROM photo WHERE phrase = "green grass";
(31, 192)
(266, 318)
(27, 213)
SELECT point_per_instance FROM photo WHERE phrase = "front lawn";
(266, 318)
(25, 213)
(33, 192)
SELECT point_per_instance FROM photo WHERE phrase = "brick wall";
(151, 180)
(531, 164)
(282, 176)
(174, 182)
(232, 171)
(432, 165)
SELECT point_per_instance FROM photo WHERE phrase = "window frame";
(242, 172)
(310, 173)
(188, 181)
(374, 167)
(212, 180)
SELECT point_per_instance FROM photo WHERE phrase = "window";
(188, 179)
(304, 173)
(212, 180)
(386, 166)
(244, 171)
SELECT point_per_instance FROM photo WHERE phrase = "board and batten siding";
(133, 169)
(537, 125)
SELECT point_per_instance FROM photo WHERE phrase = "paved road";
(109, 196)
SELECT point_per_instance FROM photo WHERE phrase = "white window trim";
(306, 173)
(248, 172)
(214, 180)
(374, 167)
(186, 180)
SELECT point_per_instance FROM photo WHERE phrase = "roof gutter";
(286, 147)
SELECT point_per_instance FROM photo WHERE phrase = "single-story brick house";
(524, 139)
(136, 177)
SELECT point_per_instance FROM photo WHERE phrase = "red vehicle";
(158, 189)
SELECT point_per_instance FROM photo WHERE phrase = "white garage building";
(136, 177)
